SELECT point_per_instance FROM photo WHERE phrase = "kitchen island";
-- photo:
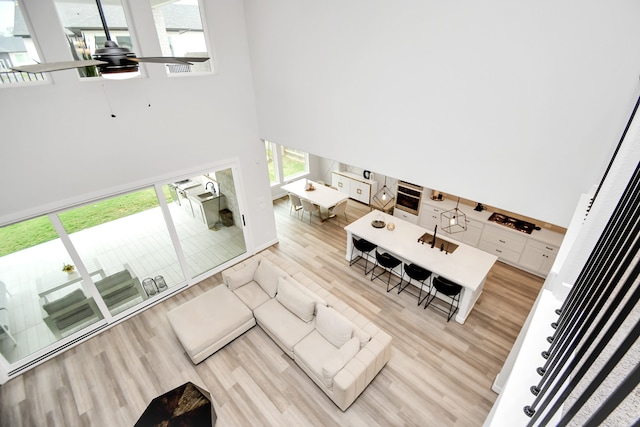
(466, 265)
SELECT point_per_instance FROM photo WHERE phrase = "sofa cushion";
(312, 352)
(242, 276)
(281, 324)
(113, 280)
(294, 299)
(267, 275)
(208, 318)
(252, 295)
(339, 359)
(60, 304)
(332, 325)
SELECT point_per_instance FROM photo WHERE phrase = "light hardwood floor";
(440, 373)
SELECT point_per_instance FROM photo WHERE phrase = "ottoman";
(210, 321)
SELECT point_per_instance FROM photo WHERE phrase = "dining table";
(320, 195)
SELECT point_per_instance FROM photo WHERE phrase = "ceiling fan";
(113, 61)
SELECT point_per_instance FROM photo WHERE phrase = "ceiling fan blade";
(56, 66)
(172, 59)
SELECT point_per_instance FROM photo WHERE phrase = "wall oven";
(408, 197)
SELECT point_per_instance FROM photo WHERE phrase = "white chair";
(296, 204)
(309, 207)
(338, 210)
(4, 312)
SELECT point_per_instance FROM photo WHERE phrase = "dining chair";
(296, 204)
(338, 210)
(309, 207)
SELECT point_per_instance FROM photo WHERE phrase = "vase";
(149, 286)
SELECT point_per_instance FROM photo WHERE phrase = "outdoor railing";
(8, 77)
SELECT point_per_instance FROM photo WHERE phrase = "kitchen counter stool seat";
(388, 262)
(365, 247)
(448, 288)
(419, 274)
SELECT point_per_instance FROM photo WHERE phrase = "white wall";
(515, 104)
(59, 144)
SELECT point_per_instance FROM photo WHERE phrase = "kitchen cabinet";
(473, 233)
(341, 182)
(504, 243)
(533, 254)
(413, 219)
(356, 187)
(538, 257)
(430, 215)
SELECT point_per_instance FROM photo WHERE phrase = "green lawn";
(290, 167)
(32, 232)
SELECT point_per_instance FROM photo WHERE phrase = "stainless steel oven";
(408, 197)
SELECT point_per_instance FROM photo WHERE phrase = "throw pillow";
(241, 277)
(340, 358)
(361, 335)
(267, 276)
(295, 300)
(307, 291)
(333, 326)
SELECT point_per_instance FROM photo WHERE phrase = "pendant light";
(384, 197)
(454, 220)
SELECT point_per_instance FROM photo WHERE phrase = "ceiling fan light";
(119, 75)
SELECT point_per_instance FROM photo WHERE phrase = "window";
(271, 162)
(294, 162)
(83, 28)
(180, 32)
(16, 45)
(285, 163)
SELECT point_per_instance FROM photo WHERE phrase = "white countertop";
(543, 235)
(466, 266)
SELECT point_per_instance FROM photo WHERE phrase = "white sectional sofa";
(338, 348)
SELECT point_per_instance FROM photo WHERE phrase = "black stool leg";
(398, 284)
(420, 301)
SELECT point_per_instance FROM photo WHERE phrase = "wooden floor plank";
(440, 372)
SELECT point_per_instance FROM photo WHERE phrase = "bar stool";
(364, 246)
(388, 262)
(448, 288)
(417, 273)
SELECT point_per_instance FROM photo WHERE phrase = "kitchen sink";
(205, 196)
(448, 246)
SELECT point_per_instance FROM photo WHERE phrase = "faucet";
(213, 187)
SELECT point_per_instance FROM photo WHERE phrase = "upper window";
(83, 28)
(16, 45)
(180, 32)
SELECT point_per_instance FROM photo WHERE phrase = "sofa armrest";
(361, 370)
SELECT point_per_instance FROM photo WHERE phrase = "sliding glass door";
(125, 246)
(41, 302)
(66, 273)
